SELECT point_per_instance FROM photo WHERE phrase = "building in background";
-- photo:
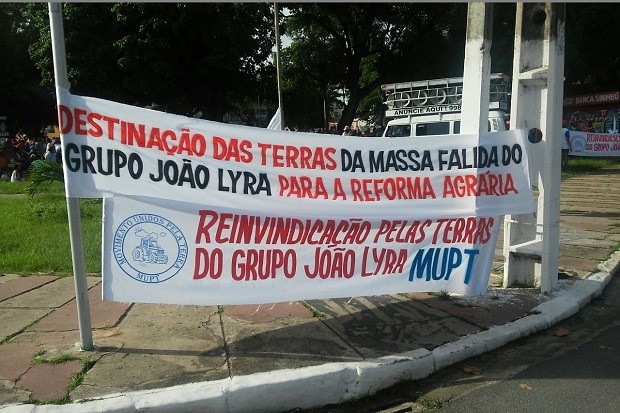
(595, 112)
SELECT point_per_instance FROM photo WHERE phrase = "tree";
(361, 45)
(592, 54)
(183, 56)
(90, 30)
(206, 55)
(27, 105)
(502, 47)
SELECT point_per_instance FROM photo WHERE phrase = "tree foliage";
(215, 56)
(207, 56)
(89, 30)
(592, 54)
(27, 105)
(358, 46)
(194, 54)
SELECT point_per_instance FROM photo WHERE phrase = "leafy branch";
(41, 172)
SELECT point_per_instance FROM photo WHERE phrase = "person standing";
(567, 147)
(50, 154)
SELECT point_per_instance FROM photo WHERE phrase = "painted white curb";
(332, 383)
(301, 388)
(461, 349)
(373, 376)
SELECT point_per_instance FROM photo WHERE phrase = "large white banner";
(159, 251)
(594, 144)
(115, 149)
(200, 212)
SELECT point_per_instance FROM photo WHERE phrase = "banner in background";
(115, 149)
(594, 144)
(162, 251)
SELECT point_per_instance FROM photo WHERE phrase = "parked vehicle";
(433, 107)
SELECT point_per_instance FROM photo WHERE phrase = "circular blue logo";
(149, 248)
(579, 143)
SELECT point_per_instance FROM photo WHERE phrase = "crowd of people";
(348, 131)
(372, 131)
(18, 152)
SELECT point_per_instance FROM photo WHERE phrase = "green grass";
(443, 294)
(430, 404)
(613, 250)
(59, 359)
(35, 230)
(79, 378)
(585, 165)
(21, 187)
(316, 313)
(59, 401)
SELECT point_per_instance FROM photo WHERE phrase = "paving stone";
(585, 251)
(10, 394)
(16, 359)
(103, 314)
(498, 306)
(594, 210)
(266, 313)
(132, 371)
(577, 264)
(597, 244)
(383, 325)
(591, 224)
(156, 346)
(15, 320)
(52, 295)
(286, 339)
(12, 285)
(53, 343)
(48, 382)
(571, 235)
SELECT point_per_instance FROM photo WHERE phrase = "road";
(583, 379)
(572, 367)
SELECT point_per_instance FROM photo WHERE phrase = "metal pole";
(277, 27)
(73, 204)
(325, 115)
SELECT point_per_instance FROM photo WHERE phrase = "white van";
(433, 107)
(444, 124)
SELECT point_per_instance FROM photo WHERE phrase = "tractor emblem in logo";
(149, 248)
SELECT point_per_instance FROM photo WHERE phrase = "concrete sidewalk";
(155, 358)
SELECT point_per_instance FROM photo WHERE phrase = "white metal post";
(531, 241)
(73, 204)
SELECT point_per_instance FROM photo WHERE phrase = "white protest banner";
(594, 144)
(159, 251)
(115, 149)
